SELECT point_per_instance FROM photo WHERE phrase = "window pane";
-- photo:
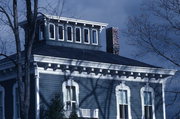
(60, 32)
(147, 98)
(86, 35)
(123, 96)
(73, 93)
(94, 36)
(69, 33)
(148, 112)
(78, 34)
(52, 32)
(123, 111)
(68, 93)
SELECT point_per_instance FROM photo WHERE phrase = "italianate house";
(68, 59)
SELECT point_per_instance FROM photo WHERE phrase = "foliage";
(55, 109)
(73, 115)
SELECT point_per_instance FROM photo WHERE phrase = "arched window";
(51, 31)
(78, 35)
(16, 102)
(60, 32)
(69, 32)
(86, 36)
(70, 94)
(123, 102)
(147, 100)
(2, 109)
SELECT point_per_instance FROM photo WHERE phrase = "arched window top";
(147, 100)
(123, 101)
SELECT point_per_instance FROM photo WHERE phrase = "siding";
(98, 93)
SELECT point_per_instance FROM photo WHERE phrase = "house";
(67, 59)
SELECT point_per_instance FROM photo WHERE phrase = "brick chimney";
(112, 40)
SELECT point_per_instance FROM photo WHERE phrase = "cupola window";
(51, 31)
(86, 36)
(78, 34)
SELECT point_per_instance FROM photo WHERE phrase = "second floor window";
(86, 36)
(70, 95)
(94, 37)
(69, 34)
(60, 32)
(78, 34)
(123, 104)
(52, 31)
(147, 98)
(147, 105)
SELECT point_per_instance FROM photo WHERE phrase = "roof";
(83, 54)
(88, 55)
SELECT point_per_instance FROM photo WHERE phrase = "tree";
(55, 109)
(157, 29)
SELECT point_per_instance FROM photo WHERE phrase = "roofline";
(59, 18)
(50, 59)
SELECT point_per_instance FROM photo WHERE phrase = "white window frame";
(88, 36)
(80, 35)
(58, 32)
(50, 33)
(71, 33)
(97, 36)
(3, 101)
(122, 86)
(70, 82)
(148, 89)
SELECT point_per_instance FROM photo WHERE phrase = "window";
(86, 36)
(16, 102)
(41, 32)
(78, 34)
(147, 97)
(60, 32)
(70, 95)
(123, 102)
(69, 34)
(94, 37)
(2, 102)
(51, 31)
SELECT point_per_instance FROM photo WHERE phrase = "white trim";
(70, 82)
(80, 35)
(50, 33)
(58, 32)
(148, 89)
(37, 96)
(97, 36)
(3, 101)
(88, 36)
(92, 64)
(163, 96)
(14, 100)
(122, 86)
(71, 33)
(76, 20)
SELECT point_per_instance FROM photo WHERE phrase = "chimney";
(112, 40)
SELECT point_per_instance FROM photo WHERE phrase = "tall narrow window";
(70, 95)
(1, 102)
(60, 32)
(51, 31)
(16, 102)
(41, 32)
(147, 94)
(94, 37)
(69, 34)
(78, 34)
(123, 102)
(86, 36)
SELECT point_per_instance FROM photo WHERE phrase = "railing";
(86, 113)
